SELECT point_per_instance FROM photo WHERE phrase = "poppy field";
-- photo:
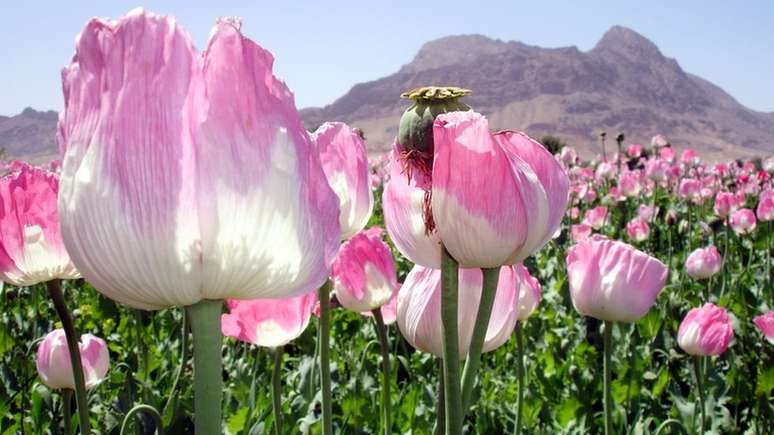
(221, 269)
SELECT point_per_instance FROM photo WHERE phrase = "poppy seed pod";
(415, 131)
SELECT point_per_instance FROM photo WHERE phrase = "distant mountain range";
(30, 136)
(624, 84)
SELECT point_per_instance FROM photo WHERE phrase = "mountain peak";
(625, 41)
(31, 113)
(451, 50)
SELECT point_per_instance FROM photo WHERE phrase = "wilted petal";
(403, 204)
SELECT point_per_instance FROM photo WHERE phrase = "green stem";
(700, 386)
(312, 390)
(183, 361)
(148, 410)
(440, 405)
(726, 258)
(253, 387)
(325, 362)
(472, 364)
(384, 342)
(276, 390)
(519, 375)
(768, 264)
(451, 352)
(55, 291)
(208, 365)
(67, 414)
(608, 399)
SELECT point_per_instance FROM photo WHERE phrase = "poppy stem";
(172, 397)
(768, 262)
(381, 328)
(208, 364)
(276, 389)
(67, 416)
(700, 386)
(451, 351)
(55, 291)
(608, 400)
(440, 405)
(473, 362)
(325, 361)
(519, 375)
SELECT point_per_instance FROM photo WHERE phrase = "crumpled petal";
(31, 247)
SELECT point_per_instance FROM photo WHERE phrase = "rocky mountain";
(623, 84)
(30, 135)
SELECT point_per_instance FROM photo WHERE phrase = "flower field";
(234, 273)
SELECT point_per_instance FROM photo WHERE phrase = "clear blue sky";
(322, 48)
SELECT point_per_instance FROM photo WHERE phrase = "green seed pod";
(415, 132)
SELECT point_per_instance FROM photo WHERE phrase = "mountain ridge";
(623, 83)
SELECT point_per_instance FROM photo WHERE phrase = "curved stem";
(146, 409)
(473, 362)
(700, 386)
(208, 365)
(67, 414)
(384, 342)
(55, 291)
(183, 361)
(608, 336)
(325, 362)
(276, 389)
(451, 352)
(519, 375)
(670, 422)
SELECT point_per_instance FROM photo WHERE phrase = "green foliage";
(652, 381)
